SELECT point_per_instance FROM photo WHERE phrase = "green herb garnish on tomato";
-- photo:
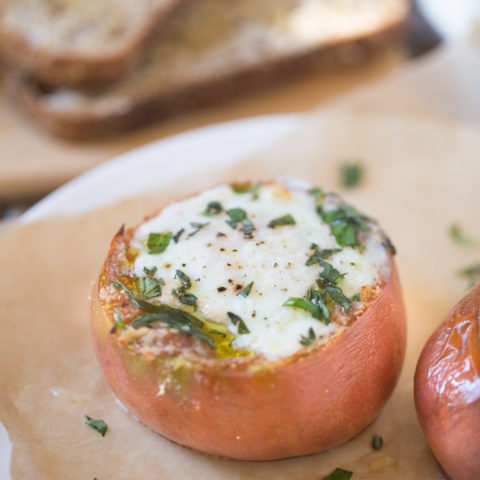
(236, 320)
(244, 292)
(158, 242)
(309, 339)
(281, 221)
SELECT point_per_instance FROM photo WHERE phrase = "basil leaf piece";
(184, 278)
(345, 224)
(213, 208)
(188, 299)
(178, 320)
(149, 271)
(148, 287)
(158, 242)
(237, 214)
(339, 474)
(244, 292)
(318, 194)
(356, 297)
(377, 442)
(337, 295)
(236, 320)
(157, 308)
(197, 226)
(177, 236)
(320, 254)
(247, 228)
(119, 323)
(315, 310)
(329, 275)
(245, 187)
(459, 237)
(281, 221)
(351, 174)
(308, 340)
(99, 425)
(387, 243)
(318, 299)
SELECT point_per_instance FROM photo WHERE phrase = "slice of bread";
(78, 42)
(214, 49)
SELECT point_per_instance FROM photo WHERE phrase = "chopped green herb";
(388, 244)
(237, 214)
(217, 332)
(236, 320)
(308, 340)
(315, 310)
(197, 226)
(339, 474)
(318, 194)
(280, 221)
(317, 298)
(188, 299)
(119, 323)
(247, 228)
(320, 254)
(356, 297)
(185, 279)
(148, 287)
(351, 174)
(245, 187)
(99, 425)
(177, 236)
(329, 275)
(244, 292)
(337, 295)
(178, 320)
(213, 208)
(158, 242)
(149, 271)
(459, 237)
(472, 274)
(174, 318)
(345, 224)
(377, 442)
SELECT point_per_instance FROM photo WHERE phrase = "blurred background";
(54, 125)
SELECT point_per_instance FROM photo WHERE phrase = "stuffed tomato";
(252, 321)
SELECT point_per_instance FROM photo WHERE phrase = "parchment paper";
(422, 174)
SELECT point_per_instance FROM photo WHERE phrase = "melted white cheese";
(274, 260)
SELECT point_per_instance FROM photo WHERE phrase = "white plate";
(162, 162)
(150, 167)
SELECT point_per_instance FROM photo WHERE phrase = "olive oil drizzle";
(214, 334)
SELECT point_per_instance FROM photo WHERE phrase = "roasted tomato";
(447, 389)
(223, 326)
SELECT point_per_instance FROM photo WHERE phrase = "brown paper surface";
(422, 174)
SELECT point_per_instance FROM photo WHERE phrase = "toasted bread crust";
(77, 69)
(76, 126)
